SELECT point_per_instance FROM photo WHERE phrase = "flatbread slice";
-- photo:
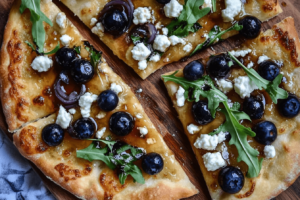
(89, 10)
(280, 44)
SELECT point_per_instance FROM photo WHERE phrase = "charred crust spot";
(29, 141)
(69, 173)
(269, 6)
(110, 184)
(22, 104)
(286, 148)
(214, 186)
(39, 100)
(248, 193)
(66, 153)
(281, 130)
(264, 38)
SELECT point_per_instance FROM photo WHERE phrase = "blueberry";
(253, 107)
(64, 57)
(266, 132)
(231, 179)
(269, 70)
(121, 123)
(83, 128)
(201, 113)
(289, 107)
(82, 71)
(53, 134)
(251, 27)
(108, 100)
(163, 1)
(152, 163)
(115, 22)
(193, 71)
(217, 66)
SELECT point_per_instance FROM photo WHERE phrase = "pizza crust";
(280, 43)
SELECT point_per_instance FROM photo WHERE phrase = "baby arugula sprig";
(37, 17)
(115, 158)
(232, 125)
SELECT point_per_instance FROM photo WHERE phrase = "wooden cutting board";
(155, 100)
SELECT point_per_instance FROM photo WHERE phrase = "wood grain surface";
(155, 100)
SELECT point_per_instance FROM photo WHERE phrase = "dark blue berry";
(115, 22)
(193, 71)
(82, 71)
(251, 27)
(266, 132)
(108, 100)
(163, 1)
(253, 107)
(121, 123)
(53, 134)
(289, 107)
(201, 113)
(269, 70)
(152, 163)
(217, 66)
(64, 57)
(83, 128)
(231, 179)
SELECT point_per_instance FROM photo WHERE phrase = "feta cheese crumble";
(98, 29)
(85, 103)
(241, 53)
(224, 85)
(63, 118)
(233, 8)
(93, 21)
(209, 142)
(65, 40)
(155, 57)
(61, 20)
(142, 65)
(173, 9)
(269, 151)
(213, 161)
(244, 86)
(161, 43)
(180, 96)
(187, 48)
(116, 88)
(100, 133)
(262, 59)
(207, 4)
(139, 116)
(176, 40)
(192, 128)
(41, 63)
(101, 115)
(143, 130)
(141, 15)
(72, 111)
(250, 65)
(165, 31)
(140, 52)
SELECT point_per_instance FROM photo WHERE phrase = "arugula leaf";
(95, 55)
(77, 49)
(135, 39)
(51, 52)
(214, 96)
(215, 34)
(135, 172)
(190, 14)
(239, 138)
(271, 87)
(214, 5)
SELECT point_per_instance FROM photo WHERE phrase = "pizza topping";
(233, 8)
(143, 131)
(100, 133)
(244, 86)
(82, 71)
(121, 123)
(224, 85)
(188, 48)
(116, 88)
(269, 151)
(209, 142)
(289, 107)
(65, 40)
(140, 52)
(192, 128)
(143, 33)
(173, 9)
(266, 132)
(176, 40)
(72, 111)
(262, 59)
(163, 1)
(217, 66)
(152, 163)
(61, 20)
(193, 71)
(231, 179)
(250, 65)
(269, 70)
(64, 57)
(165, 31)
(141, 15)
(241, 53)
(42, 63)
(101, 115)
(83, 128)
(161, 43)
(253, 107)
(201, 113)
(85, 103)
(213, 161)
(108, 100)
(95, 56)
(94, 21)
(53, 135)
(142, 65)
(251, 27)
(155, 57)
(63, 118)
(180, 96)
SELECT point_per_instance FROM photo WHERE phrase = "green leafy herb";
(239, 137)
(214, 5)
(190, 14)
(95, 55)
(135, 39)
(215, 34)
(77, 49)
(271, 88)
(120, 158)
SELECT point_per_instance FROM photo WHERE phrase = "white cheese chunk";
(176, 40)
(241, 53)
(139, 116)
(116, 88)
(72, 111)
(100, 133)
(244, 86)
(101, 115)
(180, 96)
(98, 29)
(269, 151)
(262, 59)
(143, 131)
(161, 43)
(187, 48)
(165, 31)
(173, 9)
(61, 20)
(207, 4)
(41, 63)
(209, 142)
(140, 52)
(233, 8)
(142, 65)
(141, 15)
(63, 118)
(250, 64)
(192, 128)
(65, 40)
(213, 161)
(224, 85)
(155, 57)
(85, 103)
(93, 21)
